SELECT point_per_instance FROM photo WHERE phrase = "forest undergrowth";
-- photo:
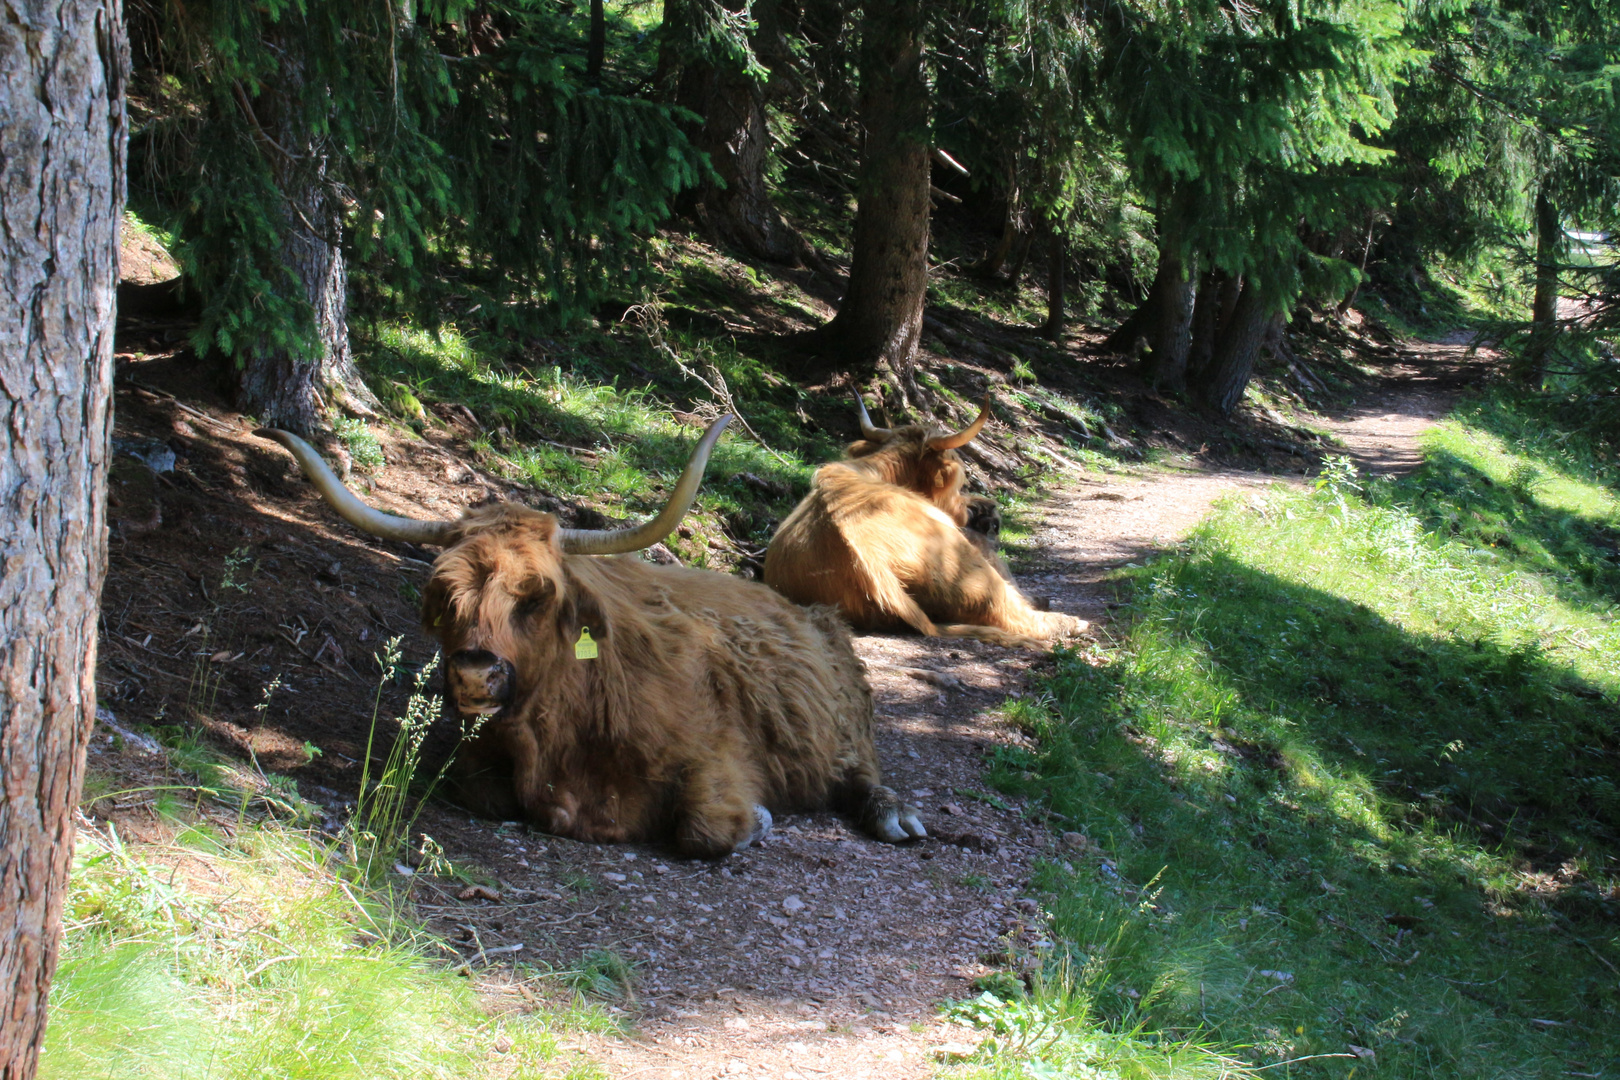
(1342, 795)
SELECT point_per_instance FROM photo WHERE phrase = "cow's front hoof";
(762, 828)
(899, 824)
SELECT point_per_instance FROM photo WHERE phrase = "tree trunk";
(1544, 311)
(737, 209)
(1169, 332)
(596, 45)
(880, 319)
(1206, 323)
(994, 259)
(1023, 240)
(1057, 260)
(1141, 324)
(63, 66)
(287, 386)
(1229, 370)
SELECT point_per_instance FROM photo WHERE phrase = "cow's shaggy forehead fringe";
(503, 555)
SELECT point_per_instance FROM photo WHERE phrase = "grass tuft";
(250, 959)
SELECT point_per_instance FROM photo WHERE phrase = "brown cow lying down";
(886, 536)
(711, 702)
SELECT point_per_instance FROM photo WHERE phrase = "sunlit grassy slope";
(1350, 775)
(250, 960)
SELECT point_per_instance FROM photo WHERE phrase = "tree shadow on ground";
(1322, 829)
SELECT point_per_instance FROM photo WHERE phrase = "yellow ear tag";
(585, 647)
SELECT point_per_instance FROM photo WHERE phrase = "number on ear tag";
(585, 647)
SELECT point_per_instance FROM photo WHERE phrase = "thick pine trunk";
(737, 210)
(1205, 323)
(1139, 327)
(1057, 260)
(1544, 310)
(1228, 374)
(1011, 220)
(1169, 331)
(880, 320)
(62, 70)
(596, 44)
(296, 388)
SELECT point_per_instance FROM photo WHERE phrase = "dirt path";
(821, 953)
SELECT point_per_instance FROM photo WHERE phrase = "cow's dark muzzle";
(478, 683)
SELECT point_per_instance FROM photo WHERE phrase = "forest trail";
(824, 954)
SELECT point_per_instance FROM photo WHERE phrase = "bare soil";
(819, 952)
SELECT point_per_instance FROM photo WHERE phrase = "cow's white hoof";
(762, 828)
(900, 824)
(910, 822)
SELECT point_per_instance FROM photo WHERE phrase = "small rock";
(629, 856)
(951, 808)
(402, 870)
(954, 1051)
(610, 876)
(503, 1044)
(922, 793)
(1076, 841)
(792, 905)
(660, 868)
(737, 1023)
(793, 961)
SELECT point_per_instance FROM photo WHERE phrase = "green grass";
(249, 959)
(1350, 774)
(633, 448)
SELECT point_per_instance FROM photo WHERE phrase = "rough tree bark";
(1205, 322)
(1011, 228)
(290, 388)
(880, 320)
(63, 64)
(1169, 329)
(1544, 309)
(1224, 381)
(738, 210)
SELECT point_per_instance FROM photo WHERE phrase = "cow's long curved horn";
(615, 541)
(963, 437)
(868, 430)
(348, 505)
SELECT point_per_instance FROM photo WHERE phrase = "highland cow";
(886, 537)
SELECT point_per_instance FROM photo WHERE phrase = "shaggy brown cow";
(885, 536)
(711, 701)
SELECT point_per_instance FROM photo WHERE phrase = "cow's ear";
(579, 609)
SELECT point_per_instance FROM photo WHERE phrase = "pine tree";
(1248, 133)
(879, 320)
(708, 54)
(63, 66)
(438, 149)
